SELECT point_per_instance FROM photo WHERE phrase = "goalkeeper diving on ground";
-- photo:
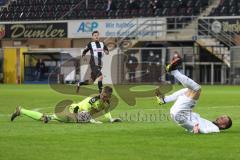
(85, 111)
(185, 100)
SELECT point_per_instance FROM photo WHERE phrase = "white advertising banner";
(140, 27)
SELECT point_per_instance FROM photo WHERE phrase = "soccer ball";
(83, 117)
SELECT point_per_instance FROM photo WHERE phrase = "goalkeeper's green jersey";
(94, 105)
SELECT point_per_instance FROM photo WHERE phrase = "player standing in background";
(97, 49)
(181, 111)
(85, 111)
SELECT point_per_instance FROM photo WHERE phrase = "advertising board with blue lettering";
(144, 27)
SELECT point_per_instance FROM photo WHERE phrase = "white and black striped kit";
(97, 50)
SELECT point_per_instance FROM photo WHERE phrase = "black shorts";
(96, 72)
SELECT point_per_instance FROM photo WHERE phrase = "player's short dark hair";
(229, 124)
(94, 32)
(107, 90)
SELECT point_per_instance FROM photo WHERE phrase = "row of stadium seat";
(227, 8)
(143, 8)
(40, 2)
(2, 2)
(54, 9)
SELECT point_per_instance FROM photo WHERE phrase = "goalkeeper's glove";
(112, 120)
(95, 122)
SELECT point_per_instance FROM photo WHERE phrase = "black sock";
(100, 85)
(83, 83)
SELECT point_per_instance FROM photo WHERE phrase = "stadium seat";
(226, 8)
(76, 9)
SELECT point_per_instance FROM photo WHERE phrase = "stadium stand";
(2, 2)
(227, 8)
(18, 10)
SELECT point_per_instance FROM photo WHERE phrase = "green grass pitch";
(134, 139)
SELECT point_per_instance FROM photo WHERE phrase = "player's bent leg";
(185, 81)
(100, 84)
(193, 94)
(32, 114)
(172, 68)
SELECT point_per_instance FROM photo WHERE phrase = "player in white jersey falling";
(186, 98)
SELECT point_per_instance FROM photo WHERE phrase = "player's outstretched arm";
(95, 122)
(88, 47)
(112, 120)
(106, 51)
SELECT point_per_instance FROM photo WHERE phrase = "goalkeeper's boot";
(16, 113)
(175, 63)
(45, 118)
(160, 97)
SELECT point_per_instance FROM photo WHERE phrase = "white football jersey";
(205, 125)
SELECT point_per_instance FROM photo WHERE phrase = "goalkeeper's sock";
(32, 114)
(100, 85)
(185, 81)
(175, 95)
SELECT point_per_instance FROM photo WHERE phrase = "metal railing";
(151, 27)
(155, 25)
(176, 24)
(151, 70)
(204, 29)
